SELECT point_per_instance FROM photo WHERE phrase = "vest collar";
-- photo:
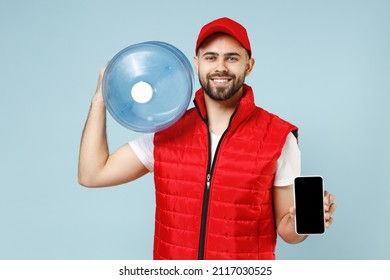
(245, 107)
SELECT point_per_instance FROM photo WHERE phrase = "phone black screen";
(309, 205)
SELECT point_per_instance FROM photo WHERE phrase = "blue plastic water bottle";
(148, 86)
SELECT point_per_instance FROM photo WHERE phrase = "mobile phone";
(309, 205)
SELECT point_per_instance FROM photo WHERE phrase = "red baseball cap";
(228, 26)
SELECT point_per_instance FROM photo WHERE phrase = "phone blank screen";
(309, 205)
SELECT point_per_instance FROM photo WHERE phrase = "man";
(223, 173)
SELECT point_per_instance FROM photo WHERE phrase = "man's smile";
(220, 81)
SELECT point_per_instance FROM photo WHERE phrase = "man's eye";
(210, 58)
(232, 58)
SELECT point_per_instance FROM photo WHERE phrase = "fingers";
(101, 74)
(328, 200)
(328, 222)
(98, 97)
(330, 208)
(102, 70)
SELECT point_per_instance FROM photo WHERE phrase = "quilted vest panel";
(233, 217)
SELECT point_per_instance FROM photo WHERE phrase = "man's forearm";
(93, 149)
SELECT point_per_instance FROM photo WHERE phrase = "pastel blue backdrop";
(323, 65)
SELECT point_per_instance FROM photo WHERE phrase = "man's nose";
(221, 65)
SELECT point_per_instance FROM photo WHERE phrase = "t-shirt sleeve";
(288, 165)
(143, 147)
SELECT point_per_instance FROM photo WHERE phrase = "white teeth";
(221, 80)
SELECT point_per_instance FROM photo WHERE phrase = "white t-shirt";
(288, 165)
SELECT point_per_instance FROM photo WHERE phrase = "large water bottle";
(148, 86)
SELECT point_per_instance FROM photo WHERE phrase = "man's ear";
(196, 64)
(249, 66)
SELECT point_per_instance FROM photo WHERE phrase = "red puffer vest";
(221, 210)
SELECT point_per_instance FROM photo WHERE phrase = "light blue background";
(323, 65)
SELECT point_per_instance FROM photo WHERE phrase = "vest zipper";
(205, 204)
(208, 181)
(206, 194)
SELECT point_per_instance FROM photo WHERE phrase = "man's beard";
(221, 93)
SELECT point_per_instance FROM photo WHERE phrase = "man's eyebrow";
(225, 54)
(210, 53)
(231, 54)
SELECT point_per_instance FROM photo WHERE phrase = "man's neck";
(220, 112)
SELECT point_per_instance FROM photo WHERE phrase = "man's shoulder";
(274, 119)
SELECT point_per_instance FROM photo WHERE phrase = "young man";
(223, 173)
